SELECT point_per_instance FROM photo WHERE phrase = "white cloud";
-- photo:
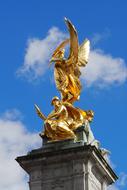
(15, 140)
(11, 114)
(38, 53)
(97, 37)
(122, 179)
(102, 70)
(113, 187)
(122, 182)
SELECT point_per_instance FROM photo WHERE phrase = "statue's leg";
(50, 129)
(63, 132)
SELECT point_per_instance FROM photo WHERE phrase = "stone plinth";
(67, 165)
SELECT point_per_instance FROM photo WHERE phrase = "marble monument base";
(67, 165)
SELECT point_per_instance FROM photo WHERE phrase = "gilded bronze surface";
(61, 123)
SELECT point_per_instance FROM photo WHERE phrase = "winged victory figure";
(67, 71)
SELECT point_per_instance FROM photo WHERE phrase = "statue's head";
(55, 101)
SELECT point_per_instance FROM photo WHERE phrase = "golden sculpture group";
(62, 122)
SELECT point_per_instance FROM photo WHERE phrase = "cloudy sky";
(29, 32)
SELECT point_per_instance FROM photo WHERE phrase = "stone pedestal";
(67, 165)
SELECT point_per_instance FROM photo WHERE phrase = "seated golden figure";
(57, 123)
(61, 123)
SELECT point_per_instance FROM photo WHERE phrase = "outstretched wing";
(83, 53)
(73, 42)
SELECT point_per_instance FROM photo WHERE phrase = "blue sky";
(29, 31)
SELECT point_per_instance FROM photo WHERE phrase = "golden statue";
(62, 122)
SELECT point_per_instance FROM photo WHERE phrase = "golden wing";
(83, 53)
(73, 42)
(78, 54)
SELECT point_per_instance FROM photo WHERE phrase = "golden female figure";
(67, 71)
